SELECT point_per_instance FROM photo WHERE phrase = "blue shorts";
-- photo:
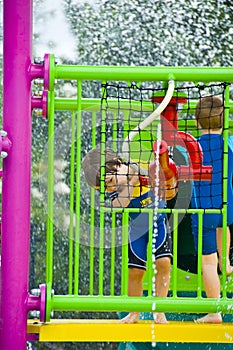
(138, 245)
(210, 223)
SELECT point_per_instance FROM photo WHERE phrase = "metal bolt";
(38, 82)
(35, 314)
(38, 60)
(3, 133)
(4, 154)
(36, 292)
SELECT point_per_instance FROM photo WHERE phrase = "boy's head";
(209, 112)
(92, 162)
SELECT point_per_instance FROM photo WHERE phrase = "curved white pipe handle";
(146, 122)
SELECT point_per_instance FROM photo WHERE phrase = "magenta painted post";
(16, 173)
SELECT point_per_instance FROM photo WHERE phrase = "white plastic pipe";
(146, 122)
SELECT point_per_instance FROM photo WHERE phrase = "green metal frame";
(181, 280)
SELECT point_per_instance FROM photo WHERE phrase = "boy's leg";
(135, 289)
(229, 268)
(162, 281)
(211, 285)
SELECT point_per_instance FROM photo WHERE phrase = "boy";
(209, 195)
(124, 188)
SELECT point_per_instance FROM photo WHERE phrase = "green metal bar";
(113, 235)
(113, 255)
(124, 303)
(168, 211)
(126, 116)
(50, 218)
(225, 188)
(78, 196)
(175, 246)
(199, 255)
(114, 132)
(150, 262)
(125, 218)
(144, 73)
(101, 255)
(92, 216)
(50, 203)
(124, 266)
(92, 243)
(72, 196)
(93, 105)
(102, 201)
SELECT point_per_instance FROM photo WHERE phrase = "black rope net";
(198, 177)
(125, 107)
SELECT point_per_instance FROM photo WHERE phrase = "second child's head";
(209, 112)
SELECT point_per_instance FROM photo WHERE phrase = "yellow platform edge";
(145, 331)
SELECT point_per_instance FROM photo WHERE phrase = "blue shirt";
(209, 194)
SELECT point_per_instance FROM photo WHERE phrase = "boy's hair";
(209, 112)
(92, 161)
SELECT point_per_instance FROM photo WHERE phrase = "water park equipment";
(109, 118)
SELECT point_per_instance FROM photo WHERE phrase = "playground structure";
(100, 296)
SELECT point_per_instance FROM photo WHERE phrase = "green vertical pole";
(50, 218)
(50, 203)
(150, 263)
(175, 245)
(92, 242)
(114, 132)
(124, 267)
(225, 188)
(126, 129)
(113, 236)
(77, 199)
(101, 254)
(113, 254)
(72, 179)
(199, 254)
(92, 215)
(102, 200)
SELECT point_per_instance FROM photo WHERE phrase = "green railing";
(95, 234)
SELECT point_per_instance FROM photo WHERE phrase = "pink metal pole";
(16, 173)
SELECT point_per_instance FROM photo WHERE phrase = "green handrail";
(145, 73)
(124, 303)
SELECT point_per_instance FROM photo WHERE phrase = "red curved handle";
(196, 171)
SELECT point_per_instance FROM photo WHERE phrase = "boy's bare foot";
(210, 318)
(132, 317)
(159, 317)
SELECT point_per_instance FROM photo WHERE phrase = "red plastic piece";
(169, 127)
(169, 122)
(168, 172)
